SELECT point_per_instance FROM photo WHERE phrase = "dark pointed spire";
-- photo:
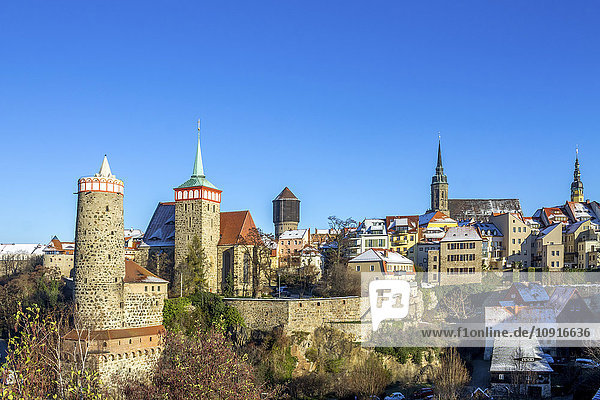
(439, 162)
(577, 185)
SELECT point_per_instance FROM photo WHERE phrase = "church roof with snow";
(481, 209)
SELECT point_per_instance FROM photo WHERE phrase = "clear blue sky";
(339, 100)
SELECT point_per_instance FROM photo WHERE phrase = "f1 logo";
(389, 299)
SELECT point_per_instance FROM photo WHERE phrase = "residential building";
(58, 258)
(481, 209)
(290, 245)
(383, 261)
(491, 245)
(371, 233)
(517, 239)
(519, 368)
(459, 258)
(549, 248)
(403, 234)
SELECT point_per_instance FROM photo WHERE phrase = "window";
(145, 288)
(358, 268)
(372, 268)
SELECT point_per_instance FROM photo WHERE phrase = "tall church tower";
(99, 250)
(439, 186)
(198, 213)
(286, 212)
(577, 185)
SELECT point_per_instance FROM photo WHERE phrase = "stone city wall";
(59, 265)
(294, 315)
(144, 304)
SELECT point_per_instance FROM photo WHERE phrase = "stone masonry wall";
(144, 304)
(200, 218)
(59, 265)
(304, 315)
(99, 260)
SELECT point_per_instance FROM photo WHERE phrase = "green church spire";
(198, 178)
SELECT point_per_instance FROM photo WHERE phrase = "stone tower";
(439, 186)
(286, 212)
(198, 213)
(99, 250)
(577, 185)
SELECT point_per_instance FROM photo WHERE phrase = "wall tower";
(439, 186)
(99, 250)
(197, 213)
(286, 212)
(577, 185)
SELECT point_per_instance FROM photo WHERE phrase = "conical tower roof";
(286, 194)
(105, 169)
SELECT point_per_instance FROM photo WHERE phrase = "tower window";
(107, 209)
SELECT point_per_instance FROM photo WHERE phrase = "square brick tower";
(197, 213)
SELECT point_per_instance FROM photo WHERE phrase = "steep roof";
(434, 216)
(531, 292)
(198, 178)
(135, 273)
(286, 194)
(234, 226)
(481, 209)
(293, 234)
(161, 229)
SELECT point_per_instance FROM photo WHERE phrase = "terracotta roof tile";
(116, 333)
(234, 226)
(135, 273)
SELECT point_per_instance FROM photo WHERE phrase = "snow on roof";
(377, 255)
(293, 234)
(518, 354)
(573, 227)
(547, 230)
(461, 234)
(531, 292)
(160, 232)
(32, 249)
(487, 229)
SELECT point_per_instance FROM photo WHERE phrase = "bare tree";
(339, 280)
(257, 246)
(450, 376)
(522, 375)
(458, 304)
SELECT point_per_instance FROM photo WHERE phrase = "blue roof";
(161, 229)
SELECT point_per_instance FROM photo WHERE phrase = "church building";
(465, 209)
(196, 211)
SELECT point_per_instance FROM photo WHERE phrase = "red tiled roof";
(234, 226)
(135, 273)
(115, 333)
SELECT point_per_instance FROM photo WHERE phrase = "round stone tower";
(286, 212)
(99, 251)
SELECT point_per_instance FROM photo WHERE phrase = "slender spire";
(105, 169)
(198, 168)
(577, 185)
(439, 162)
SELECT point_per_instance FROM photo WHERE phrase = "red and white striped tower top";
(103, 181)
